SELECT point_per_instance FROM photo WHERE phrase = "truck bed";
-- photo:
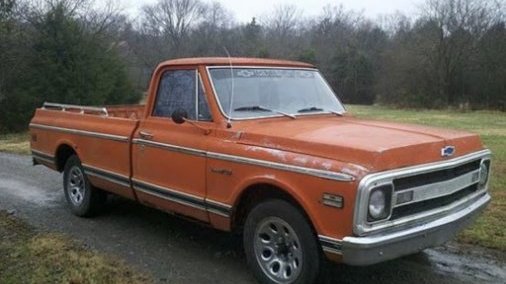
(101, 132)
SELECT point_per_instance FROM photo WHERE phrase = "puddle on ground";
(33, 194)
(474, 264)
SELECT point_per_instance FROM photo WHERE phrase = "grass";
(30, 257)
(489, 230)
(15, 143)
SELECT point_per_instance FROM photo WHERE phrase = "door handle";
(146, 135)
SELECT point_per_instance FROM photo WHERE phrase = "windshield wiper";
(261, 108)
(315, 109)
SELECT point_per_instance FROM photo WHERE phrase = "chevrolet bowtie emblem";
(448, 151)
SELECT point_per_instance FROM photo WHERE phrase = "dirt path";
(177, 251)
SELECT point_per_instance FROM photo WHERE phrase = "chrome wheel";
(76, 185)
(278, 250)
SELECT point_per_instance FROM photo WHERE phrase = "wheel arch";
(262, 190)
(63, 152)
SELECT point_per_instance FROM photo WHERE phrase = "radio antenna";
(229, 122)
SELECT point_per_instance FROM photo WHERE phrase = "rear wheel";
(84, 199)
(280, 245)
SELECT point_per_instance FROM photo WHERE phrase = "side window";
(177, 90)
(204, 114)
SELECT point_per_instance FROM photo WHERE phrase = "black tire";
(83, 199)
(281, 213)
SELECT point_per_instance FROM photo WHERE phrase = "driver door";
(169, 163)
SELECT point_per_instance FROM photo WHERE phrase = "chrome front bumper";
(378, 248)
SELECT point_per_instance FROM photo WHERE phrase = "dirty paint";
(354, 170)
(278, 154)
(300, 161)
(326, 165)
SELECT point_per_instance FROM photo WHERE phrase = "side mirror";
(179, 116)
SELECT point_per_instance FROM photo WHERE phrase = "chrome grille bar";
(439, 189)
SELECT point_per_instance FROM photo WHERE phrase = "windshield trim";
(215, 94)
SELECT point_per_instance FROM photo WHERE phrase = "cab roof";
(236, 61)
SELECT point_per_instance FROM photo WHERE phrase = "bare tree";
(333, 28)
(281, 28)
(283, 21)
(213, 33)
(458, 23)
(172, 20)
(6, 8)
(216, 15)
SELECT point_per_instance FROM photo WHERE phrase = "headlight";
(484, 173)
(379, 203)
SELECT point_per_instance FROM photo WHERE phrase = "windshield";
(262, 92)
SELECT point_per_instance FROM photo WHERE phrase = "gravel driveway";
(178, 251)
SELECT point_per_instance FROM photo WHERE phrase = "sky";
(243, 11)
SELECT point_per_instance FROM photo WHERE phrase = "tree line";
(451, 54)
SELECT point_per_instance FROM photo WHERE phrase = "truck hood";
(375, 145)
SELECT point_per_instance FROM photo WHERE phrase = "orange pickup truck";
(265, 147)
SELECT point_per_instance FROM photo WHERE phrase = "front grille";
(423, 193)
(430, 204)
(437, 176)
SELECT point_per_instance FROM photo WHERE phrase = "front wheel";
(84, 199)
(280, 245)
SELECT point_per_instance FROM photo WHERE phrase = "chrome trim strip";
(262, 67)
(81, 132)
(120, 176)
(331, 250)
(107, 175)
(44, 160)
(94, 174)
(215, 94)
(360, 213)
(439, 189)
(44, 157)
(183, 198)
(174, 148)
(169, 198)
(217, 212)
(42, 154)
(196, 94)
(218, 208)
(218, 203)
(201, 153)
(430, 167)
(330, 244)
(148, 185)
(329, 239)
(278, 166)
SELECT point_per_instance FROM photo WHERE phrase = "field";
(489, 230)
(15, 143)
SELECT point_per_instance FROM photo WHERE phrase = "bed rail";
(82, 109)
